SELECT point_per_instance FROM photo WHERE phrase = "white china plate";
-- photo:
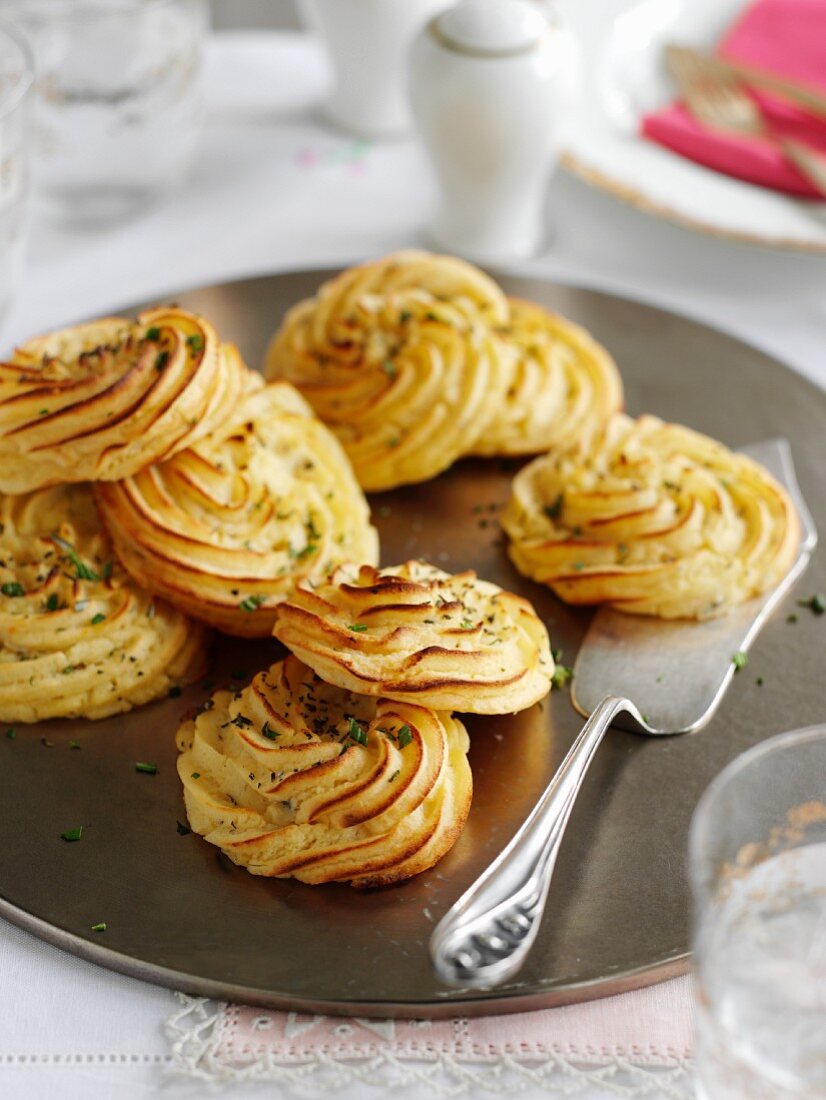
(622, 77)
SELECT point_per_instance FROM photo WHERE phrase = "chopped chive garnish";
(240, 721)
(107, 570)
(466, 624)
(310, 548)
(355, 732)
(161, 360)
(74, 744)
(251, 603)
(183, 830)
(12, 588)
(394, 776)
(196, 775)
(52, 602)
(357, 628)
(99, 927)
(389, 369)
(552, 510)
(816, 604)
(268, 732)
(153, 333)
(11, 733)
(739, 660)
(561, 675)
(405, 736)
(72, 834)
(83, 572)
(99, 618)
(146, 769)
(195, 341)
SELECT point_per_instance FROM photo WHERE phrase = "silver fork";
(718, 100)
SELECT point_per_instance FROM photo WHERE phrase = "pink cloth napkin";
(786, 37)
(648, 1027)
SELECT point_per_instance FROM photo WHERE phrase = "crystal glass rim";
(17, 94)
(65, 10)
(698, 831)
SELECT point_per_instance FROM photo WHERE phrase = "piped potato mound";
(292, 777)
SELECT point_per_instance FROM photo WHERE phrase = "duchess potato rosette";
(78, 638)
(104, 399)
(400, 359)
(226, 528)
(294, 778)
(412, 632)
(657, 520)
(563, 386)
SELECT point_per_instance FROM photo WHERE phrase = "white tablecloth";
(273, 189)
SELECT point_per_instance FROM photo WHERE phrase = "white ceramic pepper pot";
(367, 41)
(489, 82)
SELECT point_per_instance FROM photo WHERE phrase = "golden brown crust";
(400, 358)
(102, 400)
(657, 520)
(413, 632)
(294, 778)
(78, 638)
(226, 528)
(563, 386)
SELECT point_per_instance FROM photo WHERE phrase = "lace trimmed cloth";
(637, 1044)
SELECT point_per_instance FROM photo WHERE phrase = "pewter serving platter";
(178, 913)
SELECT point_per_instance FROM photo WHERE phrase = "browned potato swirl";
(658, 520)
(294, 778)
(400, 358)
(416, 633)
(562, 390)
(104, 399)
(78, 637)
(225, 528)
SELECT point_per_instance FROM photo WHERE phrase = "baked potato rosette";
(292, 777)
(226, 528)
(78, 638)
(104, 399)
(657, 520)
(400, 359)
(563, 386)
(415, 633)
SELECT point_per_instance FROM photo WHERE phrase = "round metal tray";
(178, 913)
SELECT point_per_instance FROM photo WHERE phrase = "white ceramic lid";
(491, 27)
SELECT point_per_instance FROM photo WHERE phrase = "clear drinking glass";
(16, 77)
(758, 865)
(118, 106)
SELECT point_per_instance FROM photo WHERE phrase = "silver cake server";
(676, 673)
